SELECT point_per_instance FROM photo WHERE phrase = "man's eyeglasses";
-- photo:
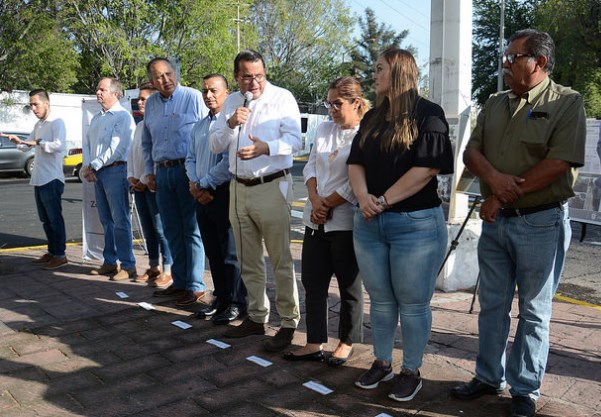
(250, 78)
(512, 57)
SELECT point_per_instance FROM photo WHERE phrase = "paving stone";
(186, 408)
(7, 401)
(112, 358)
(131, 367)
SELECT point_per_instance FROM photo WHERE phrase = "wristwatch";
(382, 202)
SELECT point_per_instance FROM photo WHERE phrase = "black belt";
(251, 182)
(170, 163)
(114, 164)
(515, 212)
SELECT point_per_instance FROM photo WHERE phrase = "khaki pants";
(262, 213)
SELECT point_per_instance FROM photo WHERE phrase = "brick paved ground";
(69, 346)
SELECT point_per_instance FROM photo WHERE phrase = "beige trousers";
(262, 213)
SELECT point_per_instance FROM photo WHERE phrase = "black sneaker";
(522, 406)
(376, 374)
(406, 386)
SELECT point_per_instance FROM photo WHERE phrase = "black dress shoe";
(312, 357)
(475, 389)
(208, 312)
(228, 315)
(335, 361)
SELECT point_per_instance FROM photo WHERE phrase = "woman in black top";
(400, 233)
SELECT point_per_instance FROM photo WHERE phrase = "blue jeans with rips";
(50, 212)
(178, 213)
(112, 200)
(399, 255)
(527, 251)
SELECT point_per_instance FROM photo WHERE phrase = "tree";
(117, 38)
(34, 51)
(375, 38)
(301, 42)
(485, 49)
(575, 26)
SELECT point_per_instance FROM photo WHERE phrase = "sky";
(400, 15)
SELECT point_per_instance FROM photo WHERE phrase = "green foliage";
(575, 27)
(34, 51)
(375, 38)
(301, 41)
(485, 49)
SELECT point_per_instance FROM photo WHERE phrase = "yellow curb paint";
(298, 204)
(577, 302)
(8, 250)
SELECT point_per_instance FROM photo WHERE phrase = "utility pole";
(238, 25)
(238, 20)
(501, 49)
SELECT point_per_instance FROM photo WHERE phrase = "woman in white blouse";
(328, 217)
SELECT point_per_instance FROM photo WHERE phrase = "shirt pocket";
(181, 122)
(535, 137)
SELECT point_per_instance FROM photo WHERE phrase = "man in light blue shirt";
(105, 150)
(209, 184)
(168, 122)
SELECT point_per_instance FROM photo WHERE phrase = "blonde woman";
(399, 231)
(328, 218)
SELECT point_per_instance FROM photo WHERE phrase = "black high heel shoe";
(311, 357)
(334, 361)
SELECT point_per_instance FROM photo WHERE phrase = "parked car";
(72, 163)
(14, 160)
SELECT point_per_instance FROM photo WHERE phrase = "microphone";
(248, 96)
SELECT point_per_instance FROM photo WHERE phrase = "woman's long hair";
(398, 106)
(350, 89)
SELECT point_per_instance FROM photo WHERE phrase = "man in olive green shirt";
(525, 148)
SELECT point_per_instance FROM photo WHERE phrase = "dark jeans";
(325, 254)
(220, 248)
(50, 212)
(152, 227)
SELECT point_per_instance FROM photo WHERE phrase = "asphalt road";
(20, 225)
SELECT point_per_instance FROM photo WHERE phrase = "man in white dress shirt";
(48, 138)
(261, 134)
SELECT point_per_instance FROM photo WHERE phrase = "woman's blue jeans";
(399, 255)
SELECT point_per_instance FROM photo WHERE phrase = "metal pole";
(238, 25)
(501, 42)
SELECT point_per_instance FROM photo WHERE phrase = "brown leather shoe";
(163, 280)
(149, 275)
(105, 270)
(169, 292)
(56, 262)
(281, 340)
(124, 274)
(191, 297)
(43, 259)
(247, 328)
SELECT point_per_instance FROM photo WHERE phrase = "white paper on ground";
(383, 415)
(259, 361)
(218, 343)
(315, 386)
(146, 306)
(181, 324)
(121, 294)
